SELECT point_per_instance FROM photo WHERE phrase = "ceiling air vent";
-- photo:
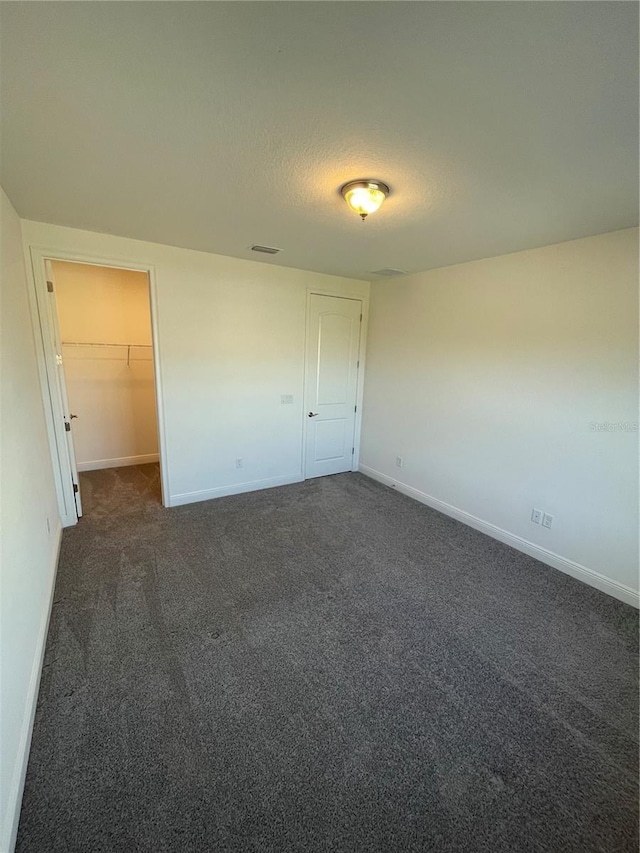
(388, 272)
(266, 250)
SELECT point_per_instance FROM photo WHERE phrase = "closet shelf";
(92, 344)
(128, 347)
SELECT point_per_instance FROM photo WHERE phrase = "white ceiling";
(499, 126)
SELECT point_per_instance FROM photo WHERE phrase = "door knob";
(313, 414)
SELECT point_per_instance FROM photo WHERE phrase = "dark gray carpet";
(327, 666)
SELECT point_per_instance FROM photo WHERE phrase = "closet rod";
(87, 344)
(94, 344)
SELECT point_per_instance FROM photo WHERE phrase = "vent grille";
(388, 272)
(266, 250)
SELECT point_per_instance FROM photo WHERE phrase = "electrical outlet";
(399, 462)
(536, 516)
(238, 463)
(547, 520)
(286, 399)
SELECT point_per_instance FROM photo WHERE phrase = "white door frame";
(364, 325)
(46, 357)
(58, 382)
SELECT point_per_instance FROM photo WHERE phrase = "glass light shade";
(364, 197)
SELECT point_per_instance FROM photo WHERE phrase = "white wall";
(487, 378)
(110, 389)
(29, 525)
(103, 304)
(230, 341)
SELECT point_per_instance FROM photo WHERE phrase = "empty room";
(319, 427)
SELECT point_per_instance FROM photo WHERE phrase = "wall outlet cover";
(536, 516)
(547, 520)
(286, 399)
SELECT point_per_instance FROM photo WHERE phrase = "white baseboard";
(14, 799)
(238, 489)
(569, 567)
(118, 462)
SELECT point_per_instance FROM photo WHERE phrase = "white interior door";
(331, 383)
(61, 388)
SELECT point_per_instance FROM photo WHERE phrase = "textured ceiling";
(499, 126)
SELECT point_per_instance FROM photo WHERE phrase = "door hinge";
(355, 408)
(75, 488)
(50, 286)
(58, 359)
(361, 318)
(358, 363)
(67, 426)
(353, 450)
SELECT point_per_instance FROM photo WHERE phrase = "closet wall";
(110, 388)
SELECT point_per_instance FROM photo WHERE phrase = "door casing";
(59, 382)
(46, 358)
(341, 294)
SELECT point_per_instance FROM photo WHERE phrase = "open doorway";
(98, 344)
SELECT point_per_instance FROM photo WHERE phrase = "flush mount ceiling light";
(364, 196)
